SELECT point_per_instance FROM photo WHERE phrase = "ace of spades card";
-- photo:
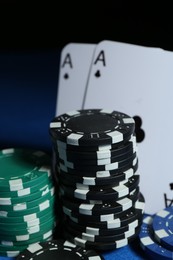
(75, 62)
(138, 81)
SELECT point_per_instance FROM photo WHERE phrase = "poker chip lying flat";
(58, 249)
(100, 246)
(98, 180)
(102, 194)
(22, 168)
(92, 127)
(108, 207)
(70, 155)
(151, 247)
(91, 148)
(163, 227)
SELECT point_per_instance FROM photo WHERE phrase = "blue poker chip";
(163, 228)
(151, 247)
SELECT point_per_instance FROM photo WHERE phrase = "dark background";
(25, 25)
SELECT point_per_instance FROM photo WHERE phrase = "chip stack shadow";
(96, 168)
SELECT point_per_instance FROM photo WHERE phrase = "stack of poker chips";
(96, 168)
(27, 198)
(156, 235)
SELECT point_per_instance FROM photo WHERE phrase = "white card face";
(75, 62)
(138, 81)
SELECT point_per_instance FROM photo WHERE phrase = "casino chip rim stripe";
(118, 127)
(60, 245)
(147, 242)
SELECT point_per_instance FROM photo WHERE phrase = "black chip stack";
(96, 169)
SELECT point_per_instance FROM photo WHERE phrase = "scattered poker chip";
(163, 228)
(21, 168)
(152, 248)
(92, 127)
(58, 249)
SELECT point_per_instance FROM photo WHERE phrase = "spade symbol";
(140, 134)
(66, 76)
(97, 74)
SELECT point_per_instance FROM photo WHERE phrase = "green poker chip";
(28, 216)
(14, 250)
(31, 197)
(30, 207)
(22, 168)
(12, 227)
(30, 233)
(28, 230)
(43, 237)
(26, 191)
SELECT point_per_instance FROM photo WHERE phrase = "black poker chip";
(114, 165)
(101, 238)
(98, 193)
(102, 231)
(112, 221)
(97, 155)
(107, 207)
(95, 173)
(92, 127)
(100, 246)
(84, 162)
(100, 179)
(58, 144)
(57, 249)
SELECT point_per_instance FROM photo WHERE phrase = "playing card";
(138, 80)
(74, 67)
